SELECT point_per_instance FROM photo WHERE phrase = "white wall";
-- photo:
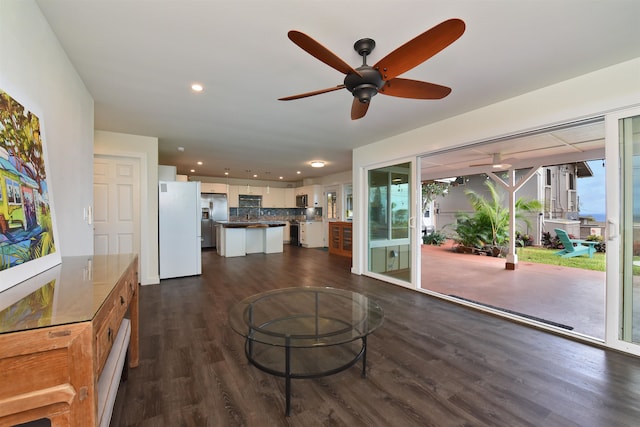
(589, 95)
(36, 72)
(144, 148)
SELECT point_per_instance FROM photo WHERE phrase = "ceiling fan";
(497, 162)
(366, 81)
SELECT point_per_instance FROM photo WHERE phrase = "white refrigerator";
(179, 229)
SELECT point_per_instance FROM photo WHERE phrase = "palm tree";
(490, 221)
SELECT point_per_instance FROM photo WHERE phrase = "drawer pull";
(109, 334)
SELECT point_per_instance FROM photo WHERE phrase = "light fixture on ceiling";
(317, 164)
(197, 87)
(199, 163)
(496, 162)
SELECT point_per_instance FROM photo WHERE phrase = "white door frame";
(413, 223)
(145, 277)
(614, 280)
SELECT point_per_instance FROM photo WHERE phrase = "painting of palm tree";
(26, 229)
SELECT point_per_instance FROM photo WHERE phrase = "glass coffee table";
(305, 332)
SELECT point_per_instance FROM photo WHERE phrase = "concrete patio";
(567, 296)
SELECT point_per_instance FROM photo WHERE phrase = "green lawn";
(547, 256)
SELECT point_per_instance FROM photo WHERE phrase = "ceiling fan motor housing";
(367, 85)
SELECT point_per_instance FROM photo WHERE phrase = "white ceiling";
(138, 59)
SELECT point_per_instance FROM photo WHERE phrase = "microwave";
(302, 201)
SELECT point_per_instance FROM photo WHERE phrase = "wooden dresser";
(340, 238)
(57, 331)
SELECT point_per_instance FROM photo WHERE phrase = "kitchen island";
(239, 238)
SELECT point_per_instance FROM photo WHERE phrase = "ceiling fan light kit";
(367, 81)
(496, 162)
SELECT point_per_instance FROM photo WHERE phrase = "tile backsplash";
(275, 214)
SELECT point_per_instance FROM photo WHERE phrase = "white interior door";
(116, 201)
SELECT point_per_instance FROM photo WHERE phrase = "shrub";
(436, 238)
(551, 242)
(523, 240)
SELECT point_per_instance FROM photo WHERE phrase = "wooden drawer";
(105, 336)
(111, 314)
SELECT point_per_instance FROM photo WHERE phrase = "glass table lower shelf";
(305, 332)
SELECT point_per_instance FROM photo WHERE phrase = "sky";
(591, 191)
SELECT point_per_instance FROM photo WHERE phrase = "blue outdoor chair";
(570, 250)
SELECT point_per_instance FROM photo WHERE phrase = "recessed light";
(180, 148)
(196, 87)
(255, 175)
(199, 163)
(298, 172)
(193, 170)
(317, 164)
(282, 177)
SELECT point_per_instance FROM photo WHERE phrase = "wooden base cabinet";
(57, 331)
(340, 238)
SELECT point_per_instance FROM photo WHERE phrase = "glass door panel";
(389, 234)
(629, 138)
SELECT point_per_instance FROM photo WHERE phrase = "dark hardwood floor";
(432, 363)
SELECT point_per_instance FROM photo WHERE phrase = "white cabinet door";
(311, 234)
(289, 197)
(273, 198)
(251, 190)
(233, 196)
(213, 187)
(315, 196)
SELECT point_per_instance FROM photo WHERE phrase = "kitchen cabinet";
(63, 359)
(315, 196)
(213, 187)
(340, 238)
(289, 197)
(314, 193)
(311, 234)
(286, 234)
(273, 198)
(234, 192)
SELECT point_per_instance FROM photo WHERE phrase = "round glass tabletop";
(306, 317)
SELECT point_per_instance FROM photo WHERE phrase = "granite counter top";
(251, 224)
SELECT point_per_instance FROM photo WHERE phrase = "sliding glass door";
(623, 231)
(391, 222)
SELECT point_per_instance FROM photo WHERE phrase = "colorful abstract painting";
(26, 226)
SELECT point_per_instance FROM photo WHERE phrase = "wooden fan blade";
(405, 88)
(358, 109)
(320, 52)
(419, 49)
(315, 92)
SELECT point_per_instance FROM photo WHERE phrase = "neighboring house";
(554, 186)
(17, 203)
